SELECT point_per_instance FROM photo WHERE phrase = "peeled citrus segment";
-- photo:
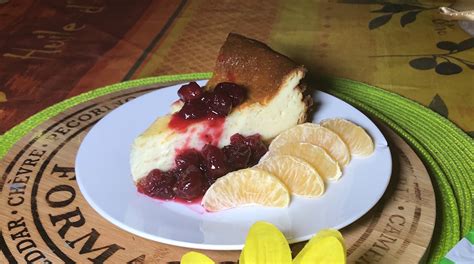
(298, 175)
(355, 137)
(265, 244)
(327, 246)
(246, 187)
(324, 164)
(196, 258)
(317, 135)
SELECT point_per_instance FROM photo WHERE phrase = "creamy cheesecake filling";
(269, 119)
(158, 146)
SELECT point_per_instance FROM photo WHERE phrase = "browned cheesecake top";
(254, 65)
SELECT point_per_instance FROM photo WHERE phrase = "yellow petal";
(265, 244)
(196, 258)
(325, 247)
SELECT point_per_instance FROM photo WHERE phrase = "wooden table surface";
(45, 217)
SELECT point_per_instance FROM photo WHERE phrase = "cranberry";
(157, 184)
(190, 183)
(220, 104)
(238, 156)
(253, 140)
(175, 173)
(190, 92)
(235, 91)
(199, 103)
(207, 183)
(193, 110)
(215, 161)
(206, 98)
(237, 139)
(187, 158)
(257, 153)
(257, 146)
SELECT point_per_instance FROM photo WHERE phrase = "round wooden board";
(44, 218)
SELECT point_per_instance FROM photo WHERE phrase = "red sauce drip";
(185, 202)
(185, 146)
(213, 131)
(180, 124)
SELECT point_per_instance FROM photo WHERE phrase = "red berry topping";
(237, 139)
(197, 170)
(216, 165)
(190, 183)
(199, 103)
(187, 158)
(157, 184)
(193, 110)
(235, 91)
(221, 104)
(190, 92)
(257, 146)
(238, 156)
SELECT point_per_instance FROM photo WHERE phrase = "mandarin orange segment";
(298, 175)
(246, 187)
(324, 164)
(355, 137)
(316, 135)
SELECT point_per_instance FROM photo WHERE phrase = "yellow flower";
(265, 244)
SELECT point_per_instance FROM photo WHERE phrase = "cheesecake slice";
(274, 102)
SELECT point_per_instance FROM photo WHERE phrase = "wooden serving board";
(45, 219)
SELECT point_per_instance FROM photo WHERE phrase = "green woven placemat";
(447, 152)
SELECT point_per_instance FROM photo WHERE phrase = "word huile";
(96, 7)
(54, 43)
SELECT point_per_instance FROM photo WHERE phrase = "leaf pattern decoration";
(379, 21)
(448, 68)
(470, 65)
(408, 18)
(437, 104)
(451, 61)
(408, 13)
(423, 63)
(447, 45)
(466, 44)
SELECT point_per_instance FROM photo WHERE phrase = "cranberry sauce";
(200, 105)
(196, 170)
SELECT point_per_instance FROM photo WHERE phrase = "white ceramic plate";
(103, 175)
